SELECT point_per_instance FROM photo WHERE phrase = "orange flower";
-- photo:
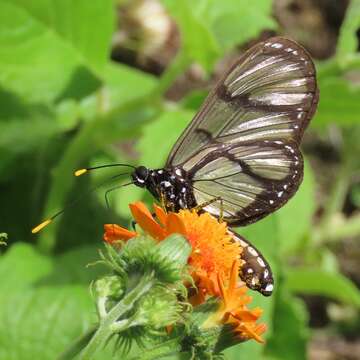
(214, 261)
(213, 250)
(232, 309)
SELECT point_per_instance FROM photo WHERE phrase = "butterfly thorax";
(171, 186)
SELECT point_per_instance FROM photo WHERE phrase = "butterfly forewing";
(242, 145)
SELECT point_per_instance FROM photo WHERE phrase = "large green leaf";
(23, 130)
(22, 266)
(40, 323)
(290, 333)
(339, 103)
(318, 282)
(44, 43)
(295, 218)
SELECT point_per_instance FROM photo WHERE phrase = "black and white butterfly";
(242, 147)
(239, 157)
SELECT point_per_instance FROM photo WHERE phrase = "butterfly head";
(140, 176)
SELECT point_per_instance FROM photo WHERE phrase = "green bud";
(171, 256)
(158, 308)
(109, 287)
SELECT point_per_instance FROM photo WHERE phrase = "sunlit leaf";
(317, 282)
(348, 38)
(339, 103)
(48, 47)
(290, 331)
(295, 218)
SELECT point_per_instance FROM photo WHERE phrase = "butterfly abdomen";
(255, 270)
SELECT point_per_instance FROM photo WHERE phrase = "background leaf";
(48, 43)
(317, 282)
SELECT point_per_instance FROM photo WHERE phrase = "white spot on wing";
(260, 261)
(252, 251)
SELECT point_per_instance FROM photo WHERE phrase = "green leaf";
(76, 266)
(295, 218)
(290, 333)
(339, 103)
(37, 122)
(121, 84)
(21, 267)
(317, 282)
(235, 22)
(44, 44)
(198, 42)
(348, 39)
(40, 323)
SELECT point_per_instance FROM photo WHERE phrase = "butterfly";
(240, 154)
(239, 158)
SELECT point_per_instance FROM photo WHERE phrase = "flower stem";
(167, 348)
(106, 326)
(77, 345)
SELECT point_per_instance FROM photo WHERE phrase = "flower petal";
(146, 221)
(160, 214)
(174, 224)
(115, 232)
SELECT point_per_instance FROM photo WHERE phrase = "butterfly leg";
(207, 203)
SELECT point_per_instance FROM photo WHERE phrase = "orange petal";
(253, 333)
(233, 276)
(115, 232)
(146, 221)
(244, 315)
(160, 214)
(174, 224)
(223, 292)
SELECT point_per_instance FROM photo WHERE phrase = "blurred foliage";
(64, 104)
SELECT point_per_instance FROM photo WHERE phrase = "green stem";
(337, 197)
(167, 348)
(105, 329)
(338, 230)
(77, 345)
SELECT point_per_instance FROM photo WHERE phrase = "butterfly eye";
(140, 175)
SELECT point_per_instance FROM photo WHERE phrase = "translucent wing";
(242, 145)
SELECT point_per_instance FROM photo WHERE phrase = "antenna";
(46, 222)
(84, 170)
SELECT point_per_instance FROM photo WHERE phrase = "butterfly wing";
(243, 145)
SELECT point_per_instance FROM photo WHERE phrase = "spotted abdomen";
(255, 271)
